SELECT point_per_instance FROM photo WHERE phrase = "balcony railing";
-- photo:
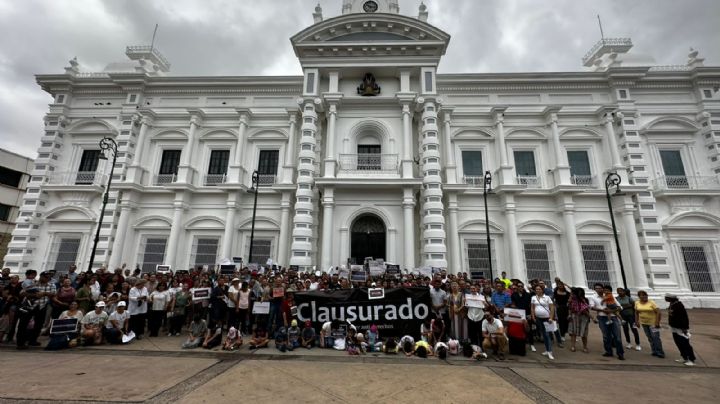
(679, 182)
(266, 179)
(583, 180)
(162, 179)
(215, 179)
(77, 178)
(369, 163)
(530, 181)
(474, 180)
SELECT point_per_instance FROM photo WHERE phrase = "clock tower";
(370, 6)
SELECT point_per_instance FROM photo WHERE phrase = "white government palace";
(372, 153)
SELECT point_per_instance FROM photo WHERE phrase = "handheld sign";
(162, 269)
(227, 269)
(237, 260)
(477, 275)
(376, 293)
(200, 294)
(514, 315)
(64, 326)
(261, 308)
(340, 332)
(295, 268)
(278, 292)
(357, 273)
(477, 301)
(392, 269)
(344, 273)
(376, 268)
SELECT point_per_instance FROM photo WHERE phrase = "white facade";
(14, 176)
(397, 174)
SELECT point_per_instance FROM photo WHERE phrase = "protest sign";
(200, 294)
(477, 301)
(278, 292)
(376, 268)
(392, 269)
(376, 293)
(64, 326)
(162, 269)
(357, 273)
(514, 315)
(344, 273)
(228, 269)
(237, 260)
(426, 272)
(400, 312)
(261, 308)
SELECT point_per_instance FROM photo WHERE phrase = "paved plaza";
(156, 370)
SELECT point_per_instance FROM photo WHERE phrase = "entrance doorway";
(367, 239)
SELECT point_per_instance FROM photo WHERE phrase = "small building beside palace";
(372, 153)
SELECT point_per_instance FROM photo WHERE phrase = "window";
(478, 263)
(217, 168)
(537, 260)
(169, 162)
(525, 163)
(472, 163)
(63, 252)
(699, 267)
(597, 263)
(428, 82)
(153, 252)
(205, 251)
(579, 167)
(60, 98)
(369, 157)
(268, 162)
(10, 177)
(310, 83)
(4, 212)
(673, 168)
(88, 166)
(261, 250)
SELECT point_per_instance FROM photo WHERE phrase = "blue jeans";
(540, 324)
(275, 317)
(611, 335)
(654, 339)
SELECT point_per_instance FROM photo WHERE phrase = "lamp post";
(614, 180)
(106, 144)
(254, 189)
(487, 188)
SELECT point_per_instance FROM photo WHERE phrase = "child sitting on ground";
(293, 335)
(390, 346)
(373, 340)
(281, 339)
(233, 340)
(307, 336)
(260, 337)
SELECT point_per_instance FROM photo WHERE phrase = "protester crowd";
(468, 316)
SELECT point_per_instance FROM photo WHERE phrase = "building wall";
(12, 189)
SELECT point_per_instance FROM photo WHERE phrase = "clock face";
(370, 7)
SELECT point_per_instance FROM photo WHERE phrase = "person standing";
(37, 296)
(561, 297)
(521, 300)
(457, 312)
(647, 316)
(679, 323)
(160, 299)
(138, 307)
(475, 317)
(628, 317)
(543, 313)
(579, 309)
(608, 323)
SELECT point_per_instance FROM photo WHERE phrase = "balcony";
(529, 181)
(76, 178)
(369, 164)
(687, 183)
(474, 180)
(586, 181)
(214, 179)
(266, 179)
(164, 179)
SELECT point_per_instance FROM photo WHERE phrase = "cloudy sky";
(250, 37)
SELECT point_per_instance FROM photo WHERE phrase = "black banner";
(400, 312)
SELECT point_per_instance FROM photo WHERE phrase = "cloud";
(251, 37)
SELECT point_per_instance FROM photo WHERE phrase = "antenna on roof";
(152, 43)
(602, 35)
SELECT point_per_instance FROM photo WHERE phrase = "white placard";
(261, 308)
(200, 294)
(477, 301)
(376, 293)
(514, 315)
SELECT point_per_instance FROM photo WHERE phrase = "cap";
(121, 304)
(670, 296)
(101, 304)
(235, 280)
(294, 323)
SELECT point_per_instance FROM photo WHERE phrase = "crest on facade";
(368, 87)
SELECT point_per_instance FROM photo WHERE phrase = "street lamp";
(254, 189)
(106, 144)
(487, 188)
(613, 180)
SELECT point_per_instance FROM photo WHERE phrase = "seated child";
(260, 337)
(441, 350)
(373, 340)
(213, 339)
(423, 349)
(408, 345)
(390, 346)
(293, 335)
(351, 342)
(281, 339)
(307, 336)
(233, 340)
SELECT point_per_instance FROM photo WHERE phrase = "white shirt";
(597, 302)
(133, 306)
(492, 328)
(314, 286)
(542, 306)
(232, 296)
(95, 290)
(120, 318)
(160, 299)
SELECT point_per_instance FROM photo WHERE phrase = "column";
(392, 244)
(290, 152)
(433, 242)
(135, 170)
(612, 141)
(632, 245)
(236, 173)
(282, 256)
(455, 264)
(512, 237)
(562, 170)
(450, 166)
(407, 157)
(330, 148)
(327, 228)
(409, 228)
(175, 229)
(506, 173)
(228, 236)
(186, 172)
(122, 230)
(344, 246)
(575, 262)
